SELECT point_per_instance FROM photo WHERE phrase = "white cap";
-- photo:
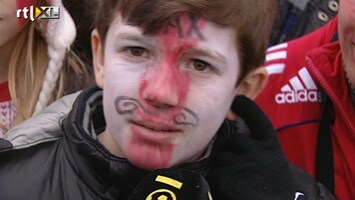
(59, 35)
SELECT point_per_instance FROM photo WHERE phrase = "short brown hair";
(251, 19)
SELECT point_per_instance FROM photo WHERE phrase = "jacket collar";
(326, 66)
(43, 127)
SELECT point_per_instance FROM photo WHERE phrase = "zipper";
(314, 71)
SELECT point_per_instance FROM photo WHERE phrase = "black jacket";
(55, 156)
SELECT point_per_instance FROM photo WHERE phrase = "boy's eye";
(200, 65)
(137, 51)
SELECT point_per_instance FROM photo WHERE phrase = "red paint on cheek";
(22, 4)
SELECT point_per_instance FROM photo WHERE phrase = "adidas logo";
(298, 96)
(301, 88)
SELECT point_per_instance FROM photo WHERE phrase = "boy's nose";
(163, 89)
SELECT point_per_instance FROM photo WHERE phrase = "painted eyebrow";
(134, 35)
(203, 51)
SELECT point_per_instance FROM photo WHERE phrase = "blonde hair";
(28, 66)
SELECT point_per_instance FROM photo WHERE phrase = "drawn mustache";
(127, 105)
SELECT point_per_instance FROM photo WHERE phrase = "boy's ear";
(251, 86)
(98, 58)
(254, 83)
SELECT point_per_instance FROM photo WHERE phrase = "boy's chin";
(151, 166)
(150, 161)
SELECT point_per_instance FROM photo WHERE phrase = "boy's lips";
(154, 133)
(157, 126)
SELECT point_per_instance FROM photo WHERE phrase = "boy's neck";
(105, 138)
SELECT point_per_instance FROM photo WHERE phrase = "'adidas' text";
(298, 96)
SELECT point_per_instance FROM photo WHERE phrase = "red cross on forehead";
(186, 25)
(182, 33)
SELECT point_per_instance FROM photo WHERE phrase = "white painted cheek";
(122, 76)
(215, 96)
(121, 79)
(211, 106)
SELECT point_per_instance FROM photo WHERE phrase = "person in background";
(299, 17)
(154, 127)
(37, 65)
(310, 98)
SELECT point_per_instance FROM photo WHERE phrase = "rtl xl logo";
(42, 12)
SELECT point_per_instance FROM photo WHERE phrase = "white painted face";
(10, 25)
(166, 95)
(346, 31)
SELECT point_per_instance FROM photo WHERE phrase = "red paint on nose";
(166, 84)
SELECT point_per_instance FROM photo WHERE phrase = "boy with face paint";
(310, 99)
(165, 83)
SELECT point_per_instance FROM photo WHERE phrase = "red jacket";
(299, 70)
